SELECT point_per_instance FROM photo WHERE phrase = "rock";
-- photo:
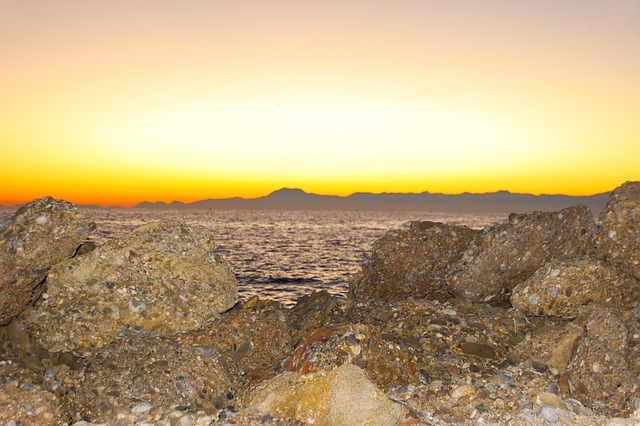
(314, 311)
(502, 257)
(411, 262)
(600, 372)
(254, 335)
(551, 345)
(562, 287)
(24, 402)
(160, 279)
(618, 239)
(143, 375)
(39, 235)
(344, 396)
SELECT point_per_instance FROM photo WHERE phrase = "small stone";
(462, 391)
(143, 407)
(548, 413)
(478, 349)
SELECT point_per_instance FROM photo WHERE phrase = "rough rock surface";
(24, 402)
(411, 262)
(141, 374)
(160, 279)
(254, 335)
(39, 235)
(561, 288)
(508, 254)
(618, 241)
(343, 396)
(601, 372)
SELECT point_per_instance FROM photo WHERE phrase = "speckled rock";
(39, 235)
(143, 374)
(422, 341)
(549, 346)
(254, 335)
(160, 279)
(508, 254)
(561, 288)
(618, 239)
(24, 402)
(411, 262)
(344, 396)
(600, 372)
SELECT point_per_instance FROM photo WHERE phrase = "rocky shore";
(535, 321)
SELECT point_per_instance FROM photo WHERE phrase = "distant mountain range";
(297, 199)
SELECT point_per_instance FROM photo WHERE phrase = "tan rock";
(561, 288)
(162, 278)
(39, 235)
(618, 239)
(504, 256)
(344, 396)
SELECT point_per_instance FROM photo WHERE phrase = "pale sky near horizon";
(115, 102)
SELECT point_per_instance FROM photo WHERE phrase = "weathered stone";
(508, 254)
(411, 262)
(551, 345)
(24, 402)
(561, 288)
(344, 396)
(314, 311)
(599, 372)
(160, 279)
(39, 235)
(142, 374)
(618, 239)
(255, 335)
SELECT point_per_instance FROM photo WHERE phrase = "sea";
(283, 254)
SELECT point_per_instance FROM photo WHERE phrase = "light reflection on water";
(283, 254)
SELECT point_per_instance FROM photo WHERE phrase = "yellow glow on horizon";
(116, 103)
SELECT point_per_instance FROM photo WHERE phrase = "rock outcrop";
(411, 262)
(160, 279)
(38, 236)
(618, 239)
(506, 255)
(535, 321)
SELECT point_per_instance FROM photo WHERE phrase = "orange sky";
(115, 102)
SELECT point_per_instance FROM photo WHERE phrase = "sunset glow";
(120, 102)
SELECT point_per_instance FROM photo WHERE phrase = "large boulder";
(411, 262)
(618, 239)
(603, 371)
(39, 235)
(162, 278)
(344, 396)
(561, 288)
(142, 374)
(506, 255)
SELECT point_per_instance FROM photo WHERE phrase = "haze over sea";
(284, 254)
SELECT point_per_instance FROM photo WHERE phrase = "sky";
(116, 102)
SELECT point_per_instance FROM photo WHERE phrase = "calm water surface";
(282, 254)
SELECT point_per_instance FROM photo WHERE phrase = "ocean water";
(283, 254)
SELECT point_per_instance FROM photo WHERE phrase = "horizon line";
(135, 204)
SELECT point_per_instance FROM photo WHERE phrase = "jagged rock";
(618, 239)
(255, 335)
(344, 396)
(25, 402)
(160, 279)
(141, 375)
(549, 345)
(600, 372)
(411, 262)
(562, 287)
(39, 235)
(508, 254)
